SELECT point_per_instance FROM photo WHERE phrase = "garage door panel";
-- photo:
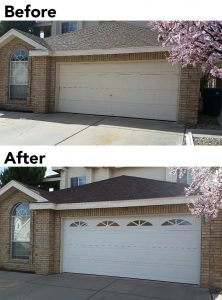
(157, 252)
(119, 80)
(117, 96)
(120, 89)
(134, 110)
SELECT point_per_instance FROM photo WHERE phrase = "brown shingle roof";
(35, 38)
(104, 36)
(117, 188)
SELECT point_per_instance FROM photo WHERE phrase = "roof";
(34, 38)
(117, 188)
(104, 36)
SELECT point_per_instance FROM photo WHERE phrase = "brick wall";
(189, 95)
(211, 256)
(40, 87)
(44, 241)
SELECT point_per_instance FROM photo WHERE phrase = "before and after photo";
(110, 232)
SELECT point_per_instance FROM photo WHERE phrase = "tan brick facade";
(42, 80)
(46, 237)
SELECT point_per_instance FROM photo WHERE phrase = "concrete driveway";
(19, 128)
(23, 286)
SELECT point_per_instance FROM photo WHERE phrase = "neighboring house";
(123, 226)
(114, 69)
(76, 176)
(52, 28)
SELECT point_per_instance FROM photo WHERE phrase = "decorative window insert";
(78, 224)
(176, 222)
(18, 82)
(20, 232)
(139, 223)
(69, 26)
(107, 224)
(77, 181)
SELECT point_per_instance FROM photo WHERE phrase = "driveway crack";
(97, 292)
(97, 122)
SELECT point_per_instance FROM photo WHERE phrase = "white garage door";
(147, 89)
(156, 248)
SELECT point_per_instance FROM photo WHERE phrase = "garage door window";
(78, 224)
(107, 224)
(20, 244)
(139, 223)
(176, 221)
(19, 75)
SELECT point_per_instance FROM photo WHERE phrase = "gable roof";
(13, 185)
(35, 41)
(106, 35)
(106, 38)
(117, 188)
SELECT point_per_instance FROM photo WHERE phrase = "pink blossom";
(206, 185)
(193, 43)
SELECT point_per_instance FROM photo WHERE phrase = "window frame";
(25, 258)
(78, 178)
(10, 84)
(69, 25)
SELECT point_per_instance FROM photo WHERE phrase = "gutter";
(189, 138)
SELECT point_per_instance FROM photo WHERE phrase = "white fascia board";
(100, 51)
(113, 204)
(40, 53)
(22, 188)
(111, 51)
(13, 33)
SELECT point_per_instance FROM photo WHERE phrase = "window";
(78, 224)
(20, 235)
(77, 181)
(176, 221)
(139, 223)
(186, 178)
(18, 75)
(69, 26)
(107, 224)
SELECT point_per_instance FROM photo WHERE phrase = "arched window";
(78, 224)
(20, 235)
(107, 224)
(18, 81)
(176, 222)
(139, 223)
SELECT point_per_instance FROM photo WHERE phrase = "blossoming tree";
(193, 43)
(207, 185)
